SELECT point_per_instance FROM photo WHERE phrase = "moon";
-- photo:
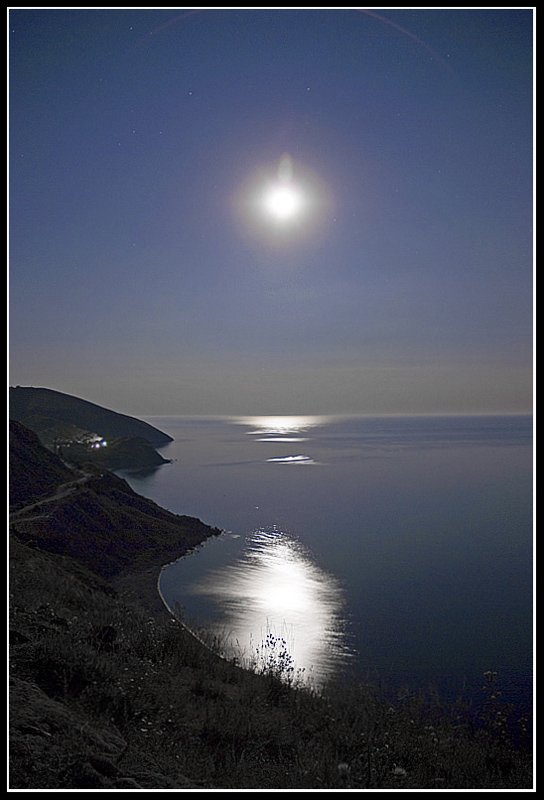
(282, 199)
(283, 202)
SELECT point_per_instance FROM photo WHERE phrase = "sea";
(396, 550)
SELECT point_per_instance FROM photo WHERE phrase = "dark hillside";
(93, 516)
(41, 409)
(108, 527)
(33, 470)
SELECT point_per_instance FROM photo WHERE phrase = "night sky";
(146, 273)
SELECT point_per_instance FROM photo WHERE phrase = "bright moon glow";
(283, 199)
(283, 202)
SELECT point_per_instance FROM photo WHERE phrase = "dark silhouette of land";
(83, 431)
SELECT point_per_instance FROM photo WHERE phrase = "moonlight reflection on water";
(425, 523)
(275, 591)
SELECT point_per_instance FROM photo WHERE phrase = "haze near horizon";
(267, 211)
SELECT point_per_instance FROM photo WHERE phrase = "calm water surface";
(395, 547)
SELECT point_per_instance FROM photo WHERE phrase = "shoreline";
(141, 587)
(141, 584)
(174, 616)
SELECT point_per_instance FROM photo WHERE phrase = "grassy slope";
(107, 691)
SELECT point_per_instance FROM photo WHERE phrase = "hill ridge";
(28, 402)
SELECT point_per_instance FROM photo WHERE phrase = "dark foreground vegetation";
(108, 691)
